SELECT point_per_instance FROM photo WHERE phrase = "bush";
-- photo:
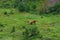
(2, 25)
(1, 30)
(27, 8)
(11, 12)
(47, 38)
(55, 9)
(34, 6)
(21, 7)
(16, 3)
(51, 10)
(6, 5)
(31, 33)
(13, 30)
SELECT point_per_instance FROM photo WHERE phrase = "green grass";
(49, 26)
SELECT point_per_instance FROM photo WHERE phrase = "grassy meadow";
(48, 26)
(15, 17)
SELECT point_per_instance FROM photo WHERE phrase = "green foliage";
(2, 25)
(27, 8)
(5, 13)
(47, 38)
(13, 30)
(11, 12)
(51, 10)
(55, 9)
(34, 6)
(21, 7)
(16, 3)
(30, 6)
(31, 33)
(18, 20)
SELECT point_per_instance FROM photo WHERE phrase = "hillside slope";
(16, 20)
(48, 26)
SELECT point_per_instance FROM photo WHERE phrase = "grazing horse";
(32, 22)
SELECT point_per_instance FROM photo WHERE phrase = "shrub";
(11, 12)
(6, 5)
(34, 6)
(47, 38)
(1, 37)
(21, 7)
(1, 30)
(27, 8)
(2, 25)
(31, 33)
(5, 13)
(55, 9)
(13, 30)
(16, 3)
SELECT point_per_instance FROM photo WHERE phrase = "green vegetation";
(15, 16)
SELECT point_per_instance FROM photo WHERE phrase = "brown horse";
(32, 22)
